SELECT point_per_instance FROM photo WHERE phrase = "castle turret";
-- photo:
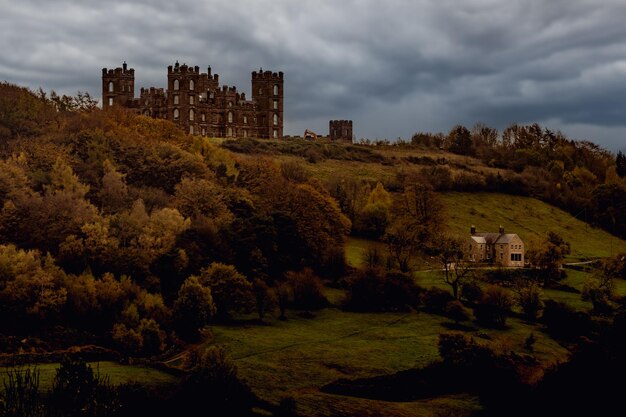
(267, 93)
(118, 86)
(340, 130)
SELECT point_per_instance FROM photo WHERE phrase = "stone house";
(504, 249)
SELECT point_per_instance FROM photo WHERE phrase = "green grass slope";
(531, 219)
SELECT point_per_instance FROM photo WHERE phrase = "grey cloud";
(395, 67)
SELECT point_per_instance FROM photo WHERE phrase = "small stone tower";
(267, 93)
(340, 130)
(118, 86)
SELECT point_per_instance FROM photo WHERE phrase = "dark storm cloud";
(395, 67)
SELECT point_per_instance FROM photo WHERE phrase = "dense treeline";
(124, 224)
(578, 176)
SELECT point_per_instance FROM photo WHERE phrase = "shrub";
(471, 291)
(494, 306)
(529, 300)
(20, 396)
(213, 384)
(563, 321)
(456, 311)
(78, 391)
(435, 300)
(308, 292)
(375, 290)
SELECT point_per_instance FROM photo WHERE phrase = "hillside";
(531, 219)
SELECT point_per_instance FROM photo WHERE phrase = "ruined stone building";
(340, 130)
(199, 105)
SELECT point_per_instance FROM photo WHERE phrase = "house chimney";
(473, 230)
(501, 230)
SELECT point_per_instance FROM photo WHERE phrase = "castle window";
(229, 132)
(191, 114)
(191, 85)
(230, 117)
(211, 95)
(260, 91)
(191, 100)
(275, 119)
(203, 116)
(176, 85)
(245, 120)
(275, 104)
(176, 99)
(275, 89)
(191, 130)
(176, 114)
(110, 101)
(203, 132)
(275, 133)
(111, 89)
(245, 133)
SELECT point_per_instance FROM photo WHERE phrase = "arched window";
(260, 91)
(176, 114)
(275, 134)
(245, 120)
(275, 119)
(111, 86)
(229, 132)
(275, 89)
(191, 130)
(191, 114)
(203, 117)
(245, 133)
(176, 99)
(176, 85)
(203, 132)
(110, 101)
(191, 85)
(230, 117)
(191, 100)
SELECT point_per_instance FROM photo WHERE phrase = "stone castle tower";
(340, 130)
(199, 105)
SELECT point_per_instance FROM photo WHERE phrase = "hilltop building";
(504, 249)
(199, 105)
(340, 130)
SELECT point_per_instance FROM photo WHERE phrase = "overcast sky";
(395, 66)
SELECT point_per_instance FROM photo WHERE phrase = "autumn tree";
(548, 255)
(231, 291)
(449, 252)
(193, 308)
(375, 215)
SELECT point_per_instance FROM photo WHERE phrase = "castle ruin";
(199, 105)
(340, 130)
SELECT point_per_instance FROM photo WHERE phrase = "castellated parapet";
(199, 105)
(340, 130)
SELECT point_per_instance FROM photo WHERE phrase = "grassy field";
(117, 373)
(298, 356)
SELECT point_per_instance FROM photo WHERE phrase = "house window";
(275, 104)
(176, 85)
(191, 114)
(191, 85)
(176, 114)
(230, 117)
(176, 99)
(110, 101)
(111, 88)
(501, 255)
(275, 119)
(275, 89)
(516, 257)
